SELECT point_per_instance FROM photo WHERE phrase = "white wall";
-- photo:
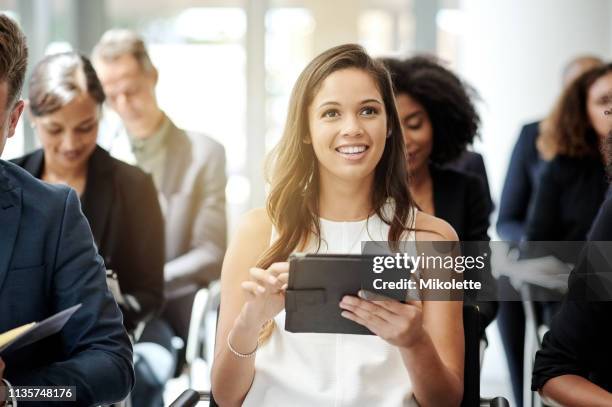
(513, 52)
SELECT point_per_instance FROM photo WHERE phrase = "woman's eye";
(54, 132)
(86, 129)
(605, 100)
(369, 111)
(413, 124)
(331, 114)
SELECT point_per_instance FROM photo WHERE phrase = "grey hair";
(58, 79)
(117, 42)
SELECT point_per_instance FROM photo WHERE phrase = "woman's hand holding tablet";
(400, 324)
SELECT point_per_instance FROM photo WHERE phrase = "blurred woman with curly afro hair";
(439, 120)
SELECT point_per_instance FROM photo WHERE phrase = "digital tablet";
(317, 283)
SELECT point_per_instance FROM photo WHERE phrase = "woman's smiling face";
(68, 135)
(348, 125)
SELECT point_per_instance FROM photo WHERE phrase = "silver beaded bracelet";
(241, 355)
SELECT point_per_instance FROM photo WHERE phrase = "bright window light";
(211, 24)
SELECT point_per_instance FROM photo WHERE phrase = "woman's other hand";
(265, 293)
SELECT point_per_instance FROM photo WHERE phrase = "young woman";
(334, 183)
(439, 120)
(573, 184)
(526, 164)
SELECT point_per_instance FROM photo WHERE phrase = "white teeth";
(351, 149)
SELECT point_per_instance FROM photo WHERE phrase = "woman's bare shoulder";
(256, 224)
(430, 228)
(253, 232)
(256, 220)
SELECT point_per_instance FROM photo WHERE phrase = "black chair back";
(471, 369)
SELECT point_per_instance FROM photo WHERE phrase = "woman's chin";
(355, 175)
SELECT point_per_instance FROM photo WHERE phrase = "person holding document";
(49, 263)
(337, 179)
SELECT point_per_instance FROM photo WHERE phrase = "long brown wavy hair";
(292, 168)
(568, 130)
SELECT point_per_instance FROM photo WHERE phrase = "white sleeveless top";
(332, 370)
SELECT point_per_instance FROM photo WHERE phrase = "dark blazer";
(461, 199)
(48, 263)
(602, 225)
(578, 342)
(473, 163)
(120, 203)
(520, 185)
(570, 193)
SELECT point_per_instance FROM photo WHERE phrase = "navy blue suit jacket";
(520, 186)
(48, 262)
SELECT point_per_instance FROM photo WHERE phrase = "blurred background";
(227, 66)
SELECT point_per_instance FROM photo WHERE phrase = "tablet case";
(317, 283)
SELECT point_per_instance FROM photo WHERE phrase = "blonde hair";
(293, 172)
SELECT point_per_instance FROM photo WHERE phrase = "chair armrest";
(195, 324)
(495, 402)
(189, 398)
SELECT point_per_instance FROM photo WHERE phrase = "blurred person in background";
(439, 120)
(571, 187)
(188, 170)
(49, 263)
(119, 200)
(573, 366)
(526, 163)
(573, 183)
(516, 203)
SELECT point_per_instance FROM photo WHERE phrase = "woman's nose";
(70, 141)
(352, 127)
